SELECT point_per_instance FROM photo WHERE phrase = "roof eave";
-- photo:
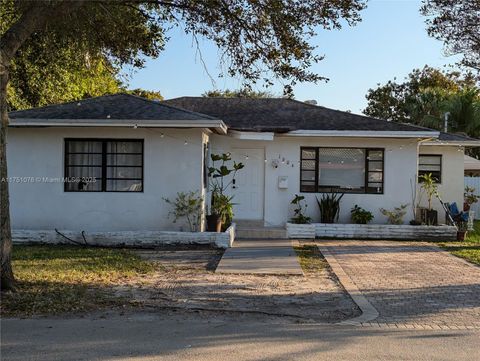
(362, 133)
(459, 143)
(215, 124)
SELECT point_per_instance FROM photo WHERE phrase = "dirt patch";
(185, 280)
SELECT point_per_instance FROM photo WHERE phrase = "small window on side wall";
(430, 163)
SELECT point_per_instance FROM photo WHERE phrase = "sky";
(390, 41)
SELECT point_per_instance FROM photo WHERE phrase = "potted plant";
(360, 215)
(462, 230)
(431, 189)
(329, 206)
(299, 225)
(469, 198)
(221, 206)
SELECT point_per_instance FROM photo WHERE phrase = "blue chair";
(457, 215)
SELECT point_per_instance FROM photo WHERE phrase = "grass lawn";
(310, 258)
(469, 249)
(56, 279)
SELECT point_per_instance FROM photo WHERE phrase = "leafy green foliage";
(56, 279)
(240, 93)
(470, 196)
(218, 174)
(396, 215)
(423, 94)
(301, 207)
(147, 94)
(256, 39)
(77, 56)
(51, 70)
(37, 83)
(360, 215)
(221, 204)
(457, 23)
(189, 206)
(329, 206)
(429, 186)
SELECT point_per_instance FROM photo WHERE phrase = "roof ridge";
(225, 98)
(166, 105)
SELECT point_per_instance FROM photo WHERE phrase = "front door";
(248, 186)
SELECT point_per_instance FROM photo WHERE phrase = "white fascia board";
(361, 133)
(251, 135)
(218, 125)
(457, 143)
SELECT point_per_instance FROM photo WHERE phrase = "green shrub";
(299, 217)
(189, 206)
(360, 215)
(396, 215)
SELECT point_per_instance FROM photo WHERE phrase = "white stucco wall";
(169, 167)
(400, 169)
(452, 186)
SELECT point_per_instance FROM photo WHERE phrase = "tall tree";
(255, 38)
(422, 93)
(70, 76)
(457, 24)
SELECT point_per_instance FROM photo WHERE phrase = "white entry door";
(248, 186)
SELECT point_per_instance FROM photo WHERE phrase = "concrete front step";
(261, 233)
(249, 223)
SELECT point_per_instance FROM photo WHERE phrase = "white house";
(140, 151)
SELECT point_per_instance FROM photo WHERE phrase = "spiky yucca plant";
(329, 206)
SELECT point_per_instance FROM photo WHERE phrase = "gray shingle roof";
(110, 109)
(283, 115)
(451, 137)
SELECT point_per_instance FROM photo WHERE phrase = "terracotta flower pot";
(461, 235)
(214, 223)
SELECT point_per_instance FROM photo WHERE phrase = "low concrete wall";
(302, 231)
(128, 238)
(385, 231)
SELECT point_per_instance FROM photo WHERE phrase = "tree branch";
(32, 19)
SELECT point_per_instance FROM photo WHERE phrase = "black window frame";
(104, 166)
(319, 189)
(438, 180)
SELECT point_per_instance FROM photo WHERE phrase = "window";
(350, 170)
(430, 163)
(103, 165)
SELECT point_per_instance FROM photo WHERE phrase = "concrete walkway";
(409, 284)
(272, 256)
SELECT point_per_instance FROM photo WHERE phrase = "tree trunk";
(7, 280)
(34, 17)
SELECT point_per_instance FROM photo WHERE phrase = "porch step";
(245, 223)
(261, 233)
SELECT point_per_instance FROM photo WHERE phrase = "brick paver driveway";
(411, 284)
